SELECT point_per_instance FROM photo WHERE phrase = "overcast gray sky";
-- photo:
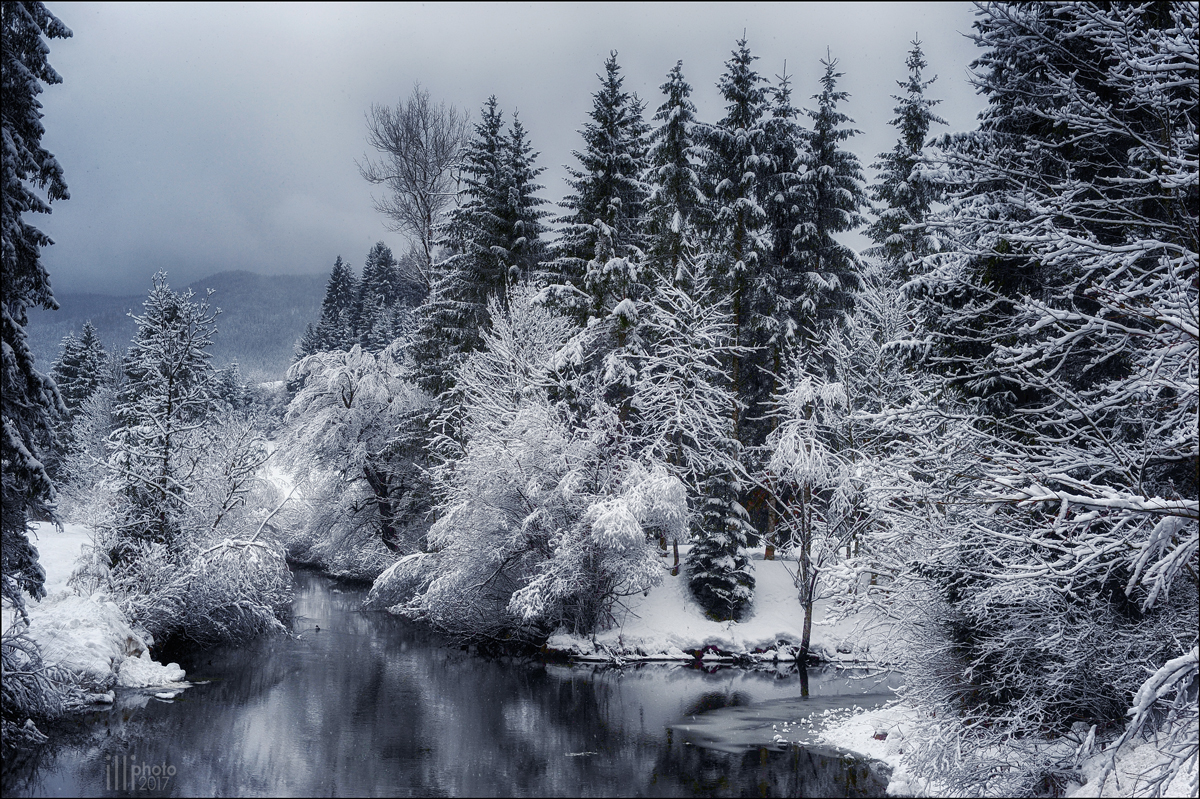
(202, 138)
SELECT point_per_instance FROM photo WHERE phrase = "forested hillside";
(261, 318)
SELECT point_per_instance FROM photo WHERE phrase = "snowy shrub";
(363, 498)
(237, 588)
(533, 535)
(401, 581)
(30, 691)
(604, 555)
(221, 590)
(545, 521)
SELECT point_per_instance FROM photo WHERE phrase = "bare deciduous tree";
(420, 144)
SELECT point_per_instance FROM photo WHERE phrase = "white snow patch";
(89, 636)
(1135, 766)
(143, 672)
(879, 734)
(667, 624)
(59, 551)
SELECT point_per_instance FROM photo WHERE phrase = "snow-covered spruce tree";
(737, 156)
(80, 492)
(363, 499)
(1066, 308)
(833, 185)
(524, 208)
(229, 390)
(905, 194)
(717, 566)
(493, 239)
(308, 343)
(674, 181)
(685, 401)
(602, 239)
(81, 368)
(545, 522)
(786, 206)
(79, 371)
(777, 293)
(378, 292)
(168, 392)
(27, 397)
(335, 329)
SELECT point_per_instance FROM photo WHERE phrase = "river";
(371, 705)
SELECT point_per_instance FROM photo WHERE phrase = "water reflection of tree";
(685, 770)
(82, 746)
(371, 704)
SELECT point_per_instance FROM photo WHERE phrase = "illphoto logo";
(125, 773)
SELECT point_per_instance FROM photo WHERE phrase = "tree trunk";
(806, 636)
(379, 485)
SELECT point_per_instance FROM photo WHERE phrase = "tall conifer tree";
(833, 181)
(524, 208)
(81, 368)
(607, 201)
(26, 396)
(493, 239)
(903, 193)
(169, 390)
(335, 330)
(736, 232)
(378, 291)
(675, 190)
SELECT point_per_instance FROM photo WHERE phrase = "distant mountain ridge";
(261, 318)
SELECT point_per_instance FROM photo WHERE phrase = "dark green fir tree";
(674, 182)
(904, 195)
(602, 239)
(833, 182)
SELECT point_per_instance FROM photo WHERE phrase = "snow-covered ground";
(89, 636)
(667, 624)
(883, 733)
(1133, 765)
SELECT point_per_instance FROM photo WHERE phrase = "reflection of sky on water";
(371, 705)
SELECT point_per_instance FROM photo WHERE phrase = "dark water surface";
(371, 705)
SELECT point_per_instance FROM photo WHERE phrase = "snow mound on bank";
(879, 734)
(143, 672)
(88, 636)
(667, 624)
(883, 734)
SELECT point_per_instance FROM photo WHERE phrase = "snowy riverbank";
(667, 624)
(884, 734)
(88, 636)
